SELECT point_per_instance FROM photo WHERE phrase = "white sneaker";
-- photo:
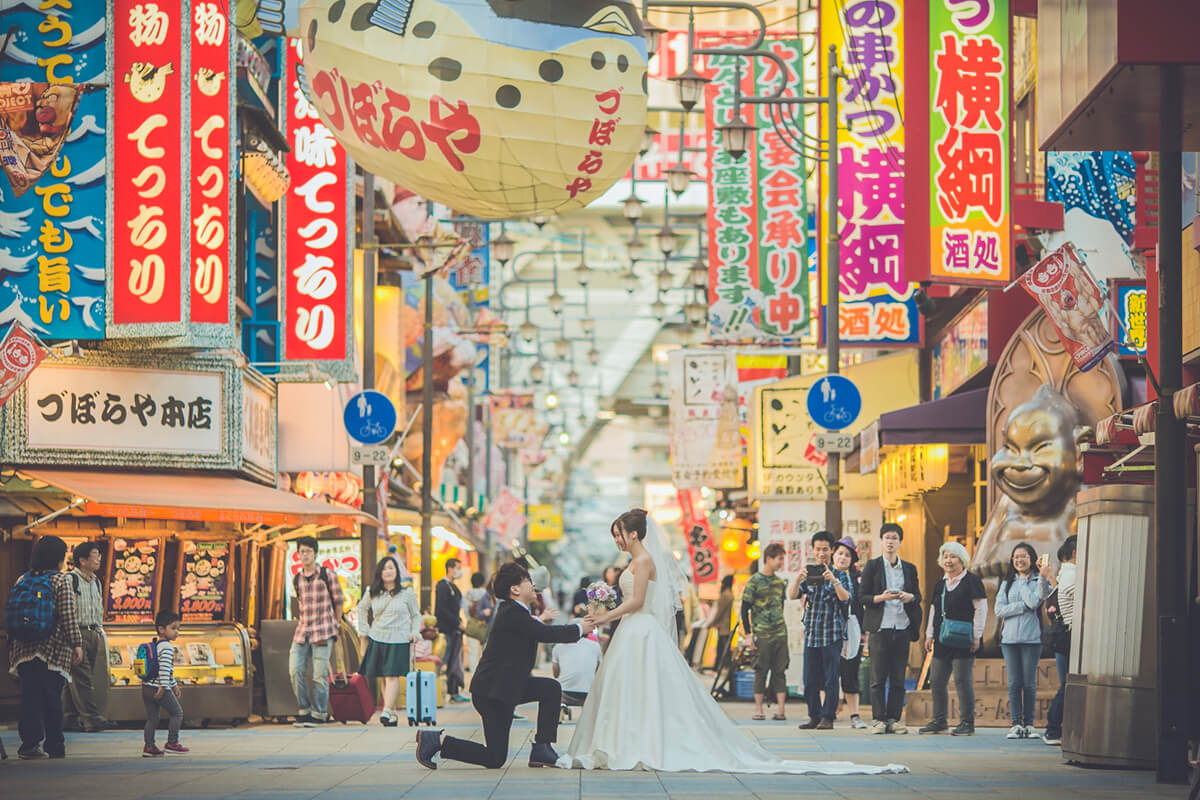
(1016, 732)
(1030, 733)
(877, 726)
(856, 722)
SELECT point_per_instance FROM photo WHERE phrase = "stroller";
(729, 661)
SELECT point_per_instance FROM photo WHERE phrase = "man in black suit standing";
(891, 596)
(502, 680)
(450, 625)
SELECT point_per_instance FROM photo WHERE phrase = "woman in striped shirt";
(388, 622)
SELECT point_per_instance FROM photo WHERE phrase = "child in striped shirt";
(162, 690)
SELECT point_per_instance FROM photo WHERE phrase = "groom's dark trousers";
(502, 682)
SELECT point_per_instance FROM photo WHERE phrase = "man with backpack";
(319, 603)
(44, 643)
(81, 711)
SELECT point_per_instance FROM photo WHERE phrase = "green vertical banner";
(969, 200)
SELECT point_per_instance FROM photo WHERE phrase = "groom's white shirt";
(522, 605)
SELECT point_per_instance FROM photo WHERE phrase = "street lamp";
(652, 33)
(648, 137)
(583, 273)
(528, 329)
(564, 438)
(634, 247)
(573, 377)
(630, 280)
(679, 178)
(657, 388)
(540, 220)
(699, 273)
(537, 373)
(593, 356)
(587, 324)
(632, 208)
(735, 137)
(502, 248)
(666, 239)
(690, 85)
(658, 309)
(562, 348)
(556, 302)
(694, 312)
(551, 400)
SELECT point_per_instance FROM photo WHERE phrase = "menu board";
(134, 571)
(203, 581)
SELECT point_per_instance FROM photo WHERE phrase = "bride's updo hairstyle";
(633, 521)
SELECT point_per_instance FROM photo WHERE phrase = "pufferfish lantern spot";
(496, 108)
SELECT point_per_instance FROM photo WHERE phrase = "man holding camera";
(826, 594)
(892, 618)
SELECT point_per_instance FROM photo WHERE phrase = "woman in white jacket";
(388, 624)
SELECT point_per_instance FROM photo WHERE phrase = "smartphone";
(1043, 561)
(816, 574)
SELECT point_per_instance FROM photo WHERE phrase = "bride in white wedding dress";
(646, 708)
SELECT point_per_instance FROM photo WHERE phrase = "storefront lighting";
(551, 400)
(655, 412)
(630, 280)
(632, 208)
(679, 178)
(652, 33)
(690, 86)
(699, 273)
(564, 438)
(537, 373)
(634, 247)
(666, 240)
(658, 309)
(648, 137)
(664, 278)
(540, 220)
(583, 273)
(264, 170)
(502, 248)
(562, 348)
(694, 312)
(556, 302)
(735, 137)
(439, 532)
(528, 330)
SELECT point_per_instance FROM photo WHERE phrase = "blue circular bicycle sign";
(834, 402)
(370, 417)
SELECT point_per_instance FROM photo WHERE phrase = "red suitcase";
(350, 698)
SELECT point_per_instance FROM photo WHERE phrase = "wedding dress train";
(648, 710)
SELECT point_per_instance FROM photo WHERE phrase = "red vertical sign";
(147, 169)
(210, 163)
(316, 272)
(702, 550)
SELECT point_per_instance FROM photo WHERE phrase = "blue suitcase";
(420, 697)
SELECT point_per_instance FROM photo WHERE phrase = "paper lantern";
(734, 536)
(492, 107)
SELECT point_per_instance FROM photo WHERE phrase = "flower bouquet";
(601, 597)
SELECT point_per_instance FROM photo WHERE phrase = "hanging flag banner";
(316, 297)
(53, 211)
(702, 549)
(969, 139)
(754, 371)
(514, 422)
(1131, 319)
(147, 168)
(20, 353)
(758, 279)
(876, 305)
(706, 441)
(1072, 300)
(505, 517)
(211, 145)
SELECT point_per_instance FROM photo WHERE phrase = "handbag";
(853, 642)
(476, 628)
(955, 632)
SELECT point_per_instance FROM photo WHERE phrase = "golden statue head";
(1037, 465)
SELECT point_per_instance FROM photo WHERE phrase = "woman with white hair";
(954, 634)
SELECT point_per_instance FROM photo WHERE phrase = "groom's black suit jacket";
(511, 650)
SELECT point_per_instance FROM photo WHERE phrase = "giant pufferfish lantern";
(497, 108)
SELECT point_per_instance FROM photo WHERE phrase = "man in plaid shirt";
(826, 604)
(319, 603)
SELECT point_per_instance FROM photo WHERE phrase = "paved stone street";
(352, 762)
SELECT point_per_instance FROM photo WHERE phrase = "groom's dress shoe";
(428, 745)
(543, 755)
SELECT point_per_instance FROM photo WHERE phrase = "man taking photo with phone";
(826, 604)
(892, 619)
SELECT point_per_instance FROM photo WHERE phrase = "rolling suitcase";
(420, 697)
(349, 695)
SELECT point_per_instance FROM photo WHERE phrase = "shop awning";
(202, 498)
(957, 419)
(1139, 419)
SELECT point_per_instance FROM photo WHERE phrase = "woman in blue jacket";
(1017, 605)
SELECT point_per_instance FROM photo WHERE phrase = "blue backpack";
(145, 662)
(29, 616)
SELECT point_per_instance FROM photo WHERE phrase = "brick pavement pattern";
(350, 762)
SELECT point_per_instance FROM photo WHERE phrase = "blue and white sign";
(370, 417)
(834, 402)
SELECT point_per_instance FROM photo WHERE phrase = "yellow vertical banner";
(545, 523)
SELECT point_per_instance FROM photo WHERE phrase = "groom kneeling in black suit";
(502, 681)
